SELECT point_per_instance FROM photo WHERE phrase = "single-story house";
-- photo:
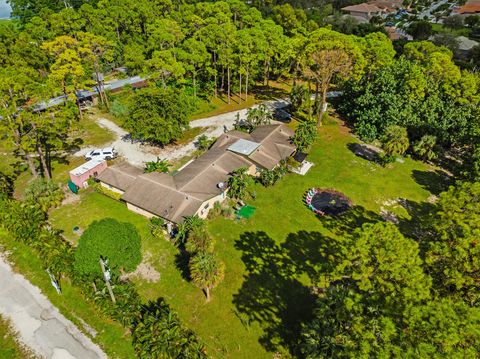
(119, 177)
(367, 10)
(195, 188)
(80, 175)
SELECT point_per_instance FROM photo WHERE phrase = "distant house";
(367, 10)
(89, 97)
(471, 7)
(195, 188)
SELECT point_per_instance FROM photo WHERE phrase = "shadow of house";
(346, 223)
(276, 292)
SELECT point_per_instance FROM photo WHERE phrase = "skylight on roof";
(244, 147)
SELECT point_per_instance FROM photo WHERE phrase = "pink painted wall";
(81, 179)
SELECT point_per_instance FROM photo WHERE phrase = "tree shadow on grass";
(433, 181)
(274, 292)
(182, 258)
(369, 153)
(418, 225)
(346, 223)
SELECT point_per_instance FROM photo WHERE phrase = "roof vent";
(221, 185)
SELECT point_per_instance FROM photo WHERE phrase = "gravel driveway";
(137, 154)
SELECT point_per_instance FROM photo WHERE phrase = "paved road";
(39, 324)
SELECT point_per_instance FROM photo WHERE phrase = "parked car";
(107, 153)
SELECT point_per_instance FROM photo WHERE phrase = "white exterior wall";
(203, 212)
(111, 188)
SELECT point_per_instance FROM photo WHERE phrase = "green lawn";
(10, 347)
(272, 258)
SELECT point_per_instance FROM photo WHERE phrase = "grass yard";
(111, 336)
(219, 105)
(10, 347)
(272, 258)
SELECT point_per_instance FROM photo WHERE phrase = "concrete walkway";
(39, 324)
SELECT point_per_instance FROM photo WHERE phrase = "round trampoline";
(327, 201)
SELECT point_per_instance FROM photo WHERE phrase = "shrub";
(46, 194)
(107, 192)
(199, 241)
(157, 166)
(117, 242)
(158, 333)
(305, 135)
(425, 147)
(395, 141)
(204, 143)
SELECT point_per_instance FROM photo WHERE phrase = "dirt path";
(137, 153)
(39, 324)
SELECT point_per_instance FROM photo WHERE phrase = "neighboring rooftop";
(363, 7)
(470, 7)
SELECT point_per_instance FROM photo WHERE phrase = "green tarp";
(73, 187)
(246, 212)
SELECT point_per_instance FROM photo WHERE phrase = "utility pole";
(106, 276)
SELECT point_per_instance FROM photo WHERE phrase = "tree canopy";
(118, 243)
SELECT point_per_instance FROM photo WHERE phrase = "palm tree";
(238, 183)
(395, 140)
(206, 271)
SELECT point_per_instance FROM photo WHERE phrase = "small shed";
(82, 173)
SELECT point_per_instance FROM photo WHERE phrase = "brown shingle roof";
(153, 192)
(469, 8)
(175, 197)
(363, 7)
(120, 176)
(275, 145)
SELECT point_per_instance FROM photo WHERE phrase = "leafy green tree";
(453, 253)
(330, 55)
(420, 30)
(158, 115)
(117, 242)
(305, 135)
(258, 116)
(6, 185)
(199, 241)
(238, 183)
(189, 224)
(158, 333)
(360, 314)
(395, 141)
(454, 22)
(441, 328)
(471, 164)
(204, 143)
(206, 271)
(67, 70)
(425, 147)
(195, 57)
(45, 194)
